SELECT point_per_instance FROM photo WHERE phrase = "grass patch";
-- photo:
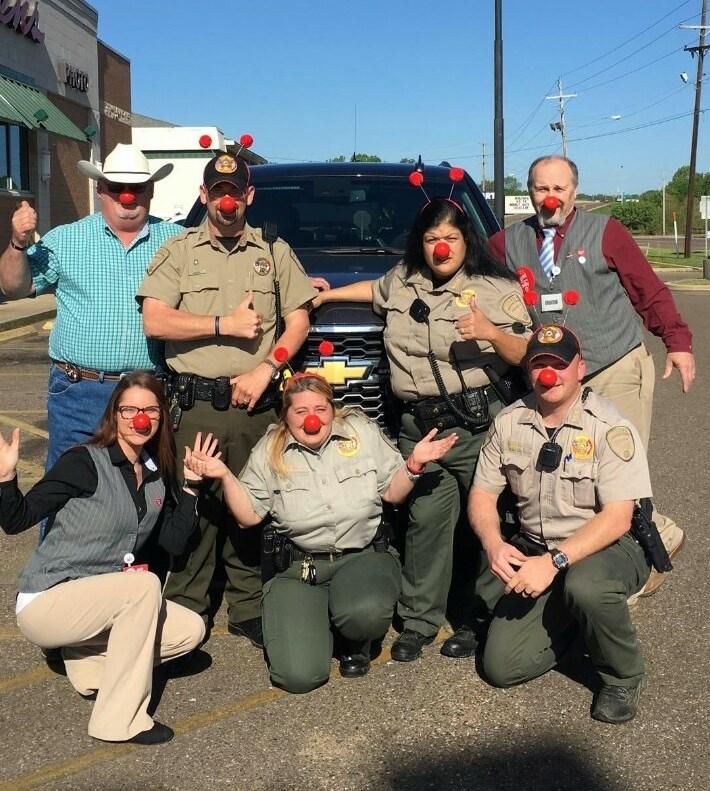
(664, 257)
(692, 281)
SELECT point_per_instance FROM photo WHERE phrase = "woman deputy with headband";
(323, 475)
(455, 323)
(107, 497)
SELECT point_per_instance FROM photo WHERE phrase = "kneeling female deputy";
(323, 475)
(107, 497)
(455, 325)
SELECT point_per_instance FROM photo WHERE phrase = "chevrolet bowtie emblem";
(338, 372)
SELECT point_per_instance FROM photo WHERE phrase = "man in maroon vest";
(595, 256)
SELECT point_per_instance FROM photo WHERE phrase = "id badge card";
(550, 303)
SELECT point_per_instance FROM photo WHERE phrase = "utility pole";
(700, 49)
(560, 125)
(483, 168)
(498, 185)
(664, 205)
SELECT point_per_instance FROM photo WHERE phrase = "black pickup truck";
(349, 221)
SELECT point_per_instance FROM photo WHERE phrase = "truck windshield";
(350, 214)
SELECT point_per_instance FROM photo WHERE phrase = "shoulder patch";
(621, 442)
(514, 307)
(158, 259)
(298, 264)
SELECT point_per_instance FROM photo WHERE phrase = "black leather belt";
(204, 388)
(428, 408)
(299, 554)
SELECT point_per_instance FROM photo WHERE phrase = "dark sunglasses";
(136, 189)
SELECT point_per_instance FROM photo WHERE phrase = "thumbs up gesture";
(475, 325)
(24, 224)
(243, 321)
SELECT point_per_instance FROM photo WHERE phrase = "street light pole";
(700, 49)
(498, 186)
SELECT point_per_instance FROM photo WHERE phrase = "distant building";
(64, 96)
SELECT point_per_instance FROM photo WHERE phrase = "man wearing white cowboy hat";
(95, 266)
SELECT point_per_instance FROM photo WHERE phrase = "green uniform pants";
(354, 594)
(434, 509)
(527, 637)
(220, 540)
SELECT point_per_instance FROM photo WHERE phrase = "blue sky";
(421, 76)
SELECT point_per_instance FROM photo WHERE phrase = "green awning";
(23, 104)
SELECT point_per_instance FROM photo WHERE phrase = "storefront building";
(64, 96)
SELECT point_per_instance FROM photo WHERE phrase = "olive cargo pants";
(220, 540)
(354, 594)
(527, 637)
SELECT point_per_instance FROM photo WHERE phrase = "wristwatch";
(276, 371)
(18, 247)
(559, 560)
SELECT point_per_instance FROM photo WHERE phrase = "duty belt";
(76, 373)
(436, 409)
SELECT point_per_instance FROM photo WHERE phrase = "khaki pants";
(113, 628)
(629, 384)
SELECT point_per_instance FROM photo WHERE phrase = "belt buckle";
(73, 373)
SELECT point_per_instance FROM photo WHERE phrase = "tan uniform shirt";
(603, 461)
(331, 497)
(408, 342)
(194, 273)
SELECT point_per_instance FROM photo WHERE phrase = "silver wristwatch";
(559, 560)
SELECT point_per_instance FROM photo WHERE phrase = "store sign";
(518, 204)
(22, 16)
(76, 78)
(117, 113)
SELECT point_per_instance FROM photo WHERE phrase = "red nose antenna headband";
(416, 179)
(245, 141)
(326, 348)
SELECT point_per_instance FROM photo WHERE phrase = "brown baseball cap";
(555, 341)
(226, 168)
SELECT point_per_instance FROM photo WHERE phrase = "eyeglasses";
(137, 189)
(128, 412)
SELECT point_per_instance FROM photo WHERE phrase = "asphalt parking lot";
(433, 724)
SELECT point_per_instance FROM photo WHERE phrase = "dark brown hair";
(160, 445)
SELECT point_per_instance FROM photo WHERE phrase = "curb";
(20, 322)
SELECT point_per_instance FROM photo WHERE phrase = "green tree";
(511, 186)
(408, 161)
(641, 216)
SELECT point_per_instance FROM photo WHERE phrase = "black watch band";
(18, 247)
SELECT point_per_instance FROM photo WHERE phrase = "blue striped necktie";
(547, 252)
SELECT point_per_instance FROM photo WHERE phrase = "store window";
(14, 157)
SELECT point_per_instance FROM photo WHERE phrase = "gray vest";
(604, 320)
(91, 535)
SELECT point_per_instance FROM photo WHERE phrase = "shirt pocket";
(265, 300)
(398, 323)
(519, 470)
(299, 502)
(357, 486)
(581, 477)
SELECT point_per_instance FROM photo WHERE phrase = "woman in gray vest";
(107, 497)
(322, 475)
(455, 325)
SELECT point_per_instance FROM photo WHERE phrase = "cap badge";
(551, 334)
(226, 164)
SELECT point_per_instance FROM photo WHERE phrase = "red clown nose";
(227, 205)
(281, 354)
(312, 424)
(547, 377)
(126, 198)
(442, 251)
(551, 203)
(141, 422)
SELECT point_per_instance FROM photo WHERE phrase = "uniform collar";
(532, 417)
(453, 285)
(249, 236)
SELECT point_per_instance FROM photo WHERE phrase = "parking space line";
(26, 427)
(18, 332)
(72, 766)
(37, 674)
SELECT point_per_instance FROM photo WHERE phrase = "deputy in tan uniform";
(455, 322)
(214, 294)
(575, 466)
(323, 476)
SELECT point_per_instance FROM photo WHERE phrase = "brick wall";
(114, 89)
(69, 190)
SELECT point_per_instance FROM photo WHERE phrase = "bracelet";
(190, 484)
(18, 247)
(275, 368)
(217, 333)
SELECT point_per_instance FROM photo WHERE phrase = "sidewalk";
(27, 312)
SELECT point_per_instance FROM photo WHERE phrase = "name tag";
(550, 302)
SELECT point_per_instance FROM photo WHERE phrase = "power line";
(629, 40)
(633, 71)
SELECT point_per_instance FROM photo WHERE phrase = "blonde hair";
(298, 383)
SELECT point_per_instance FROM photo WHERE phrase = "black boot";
(408, 646)
(616, 704)
(355, 659)
(462, 643)
(251, 629)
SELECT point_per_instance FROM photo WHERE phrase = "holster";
(644, 530)
(270, 399)
(221, 394)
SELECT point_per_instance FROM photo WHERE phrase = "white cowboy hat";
(126, 164)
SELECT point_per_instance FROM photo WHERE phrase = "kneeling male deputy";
(576, 468)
